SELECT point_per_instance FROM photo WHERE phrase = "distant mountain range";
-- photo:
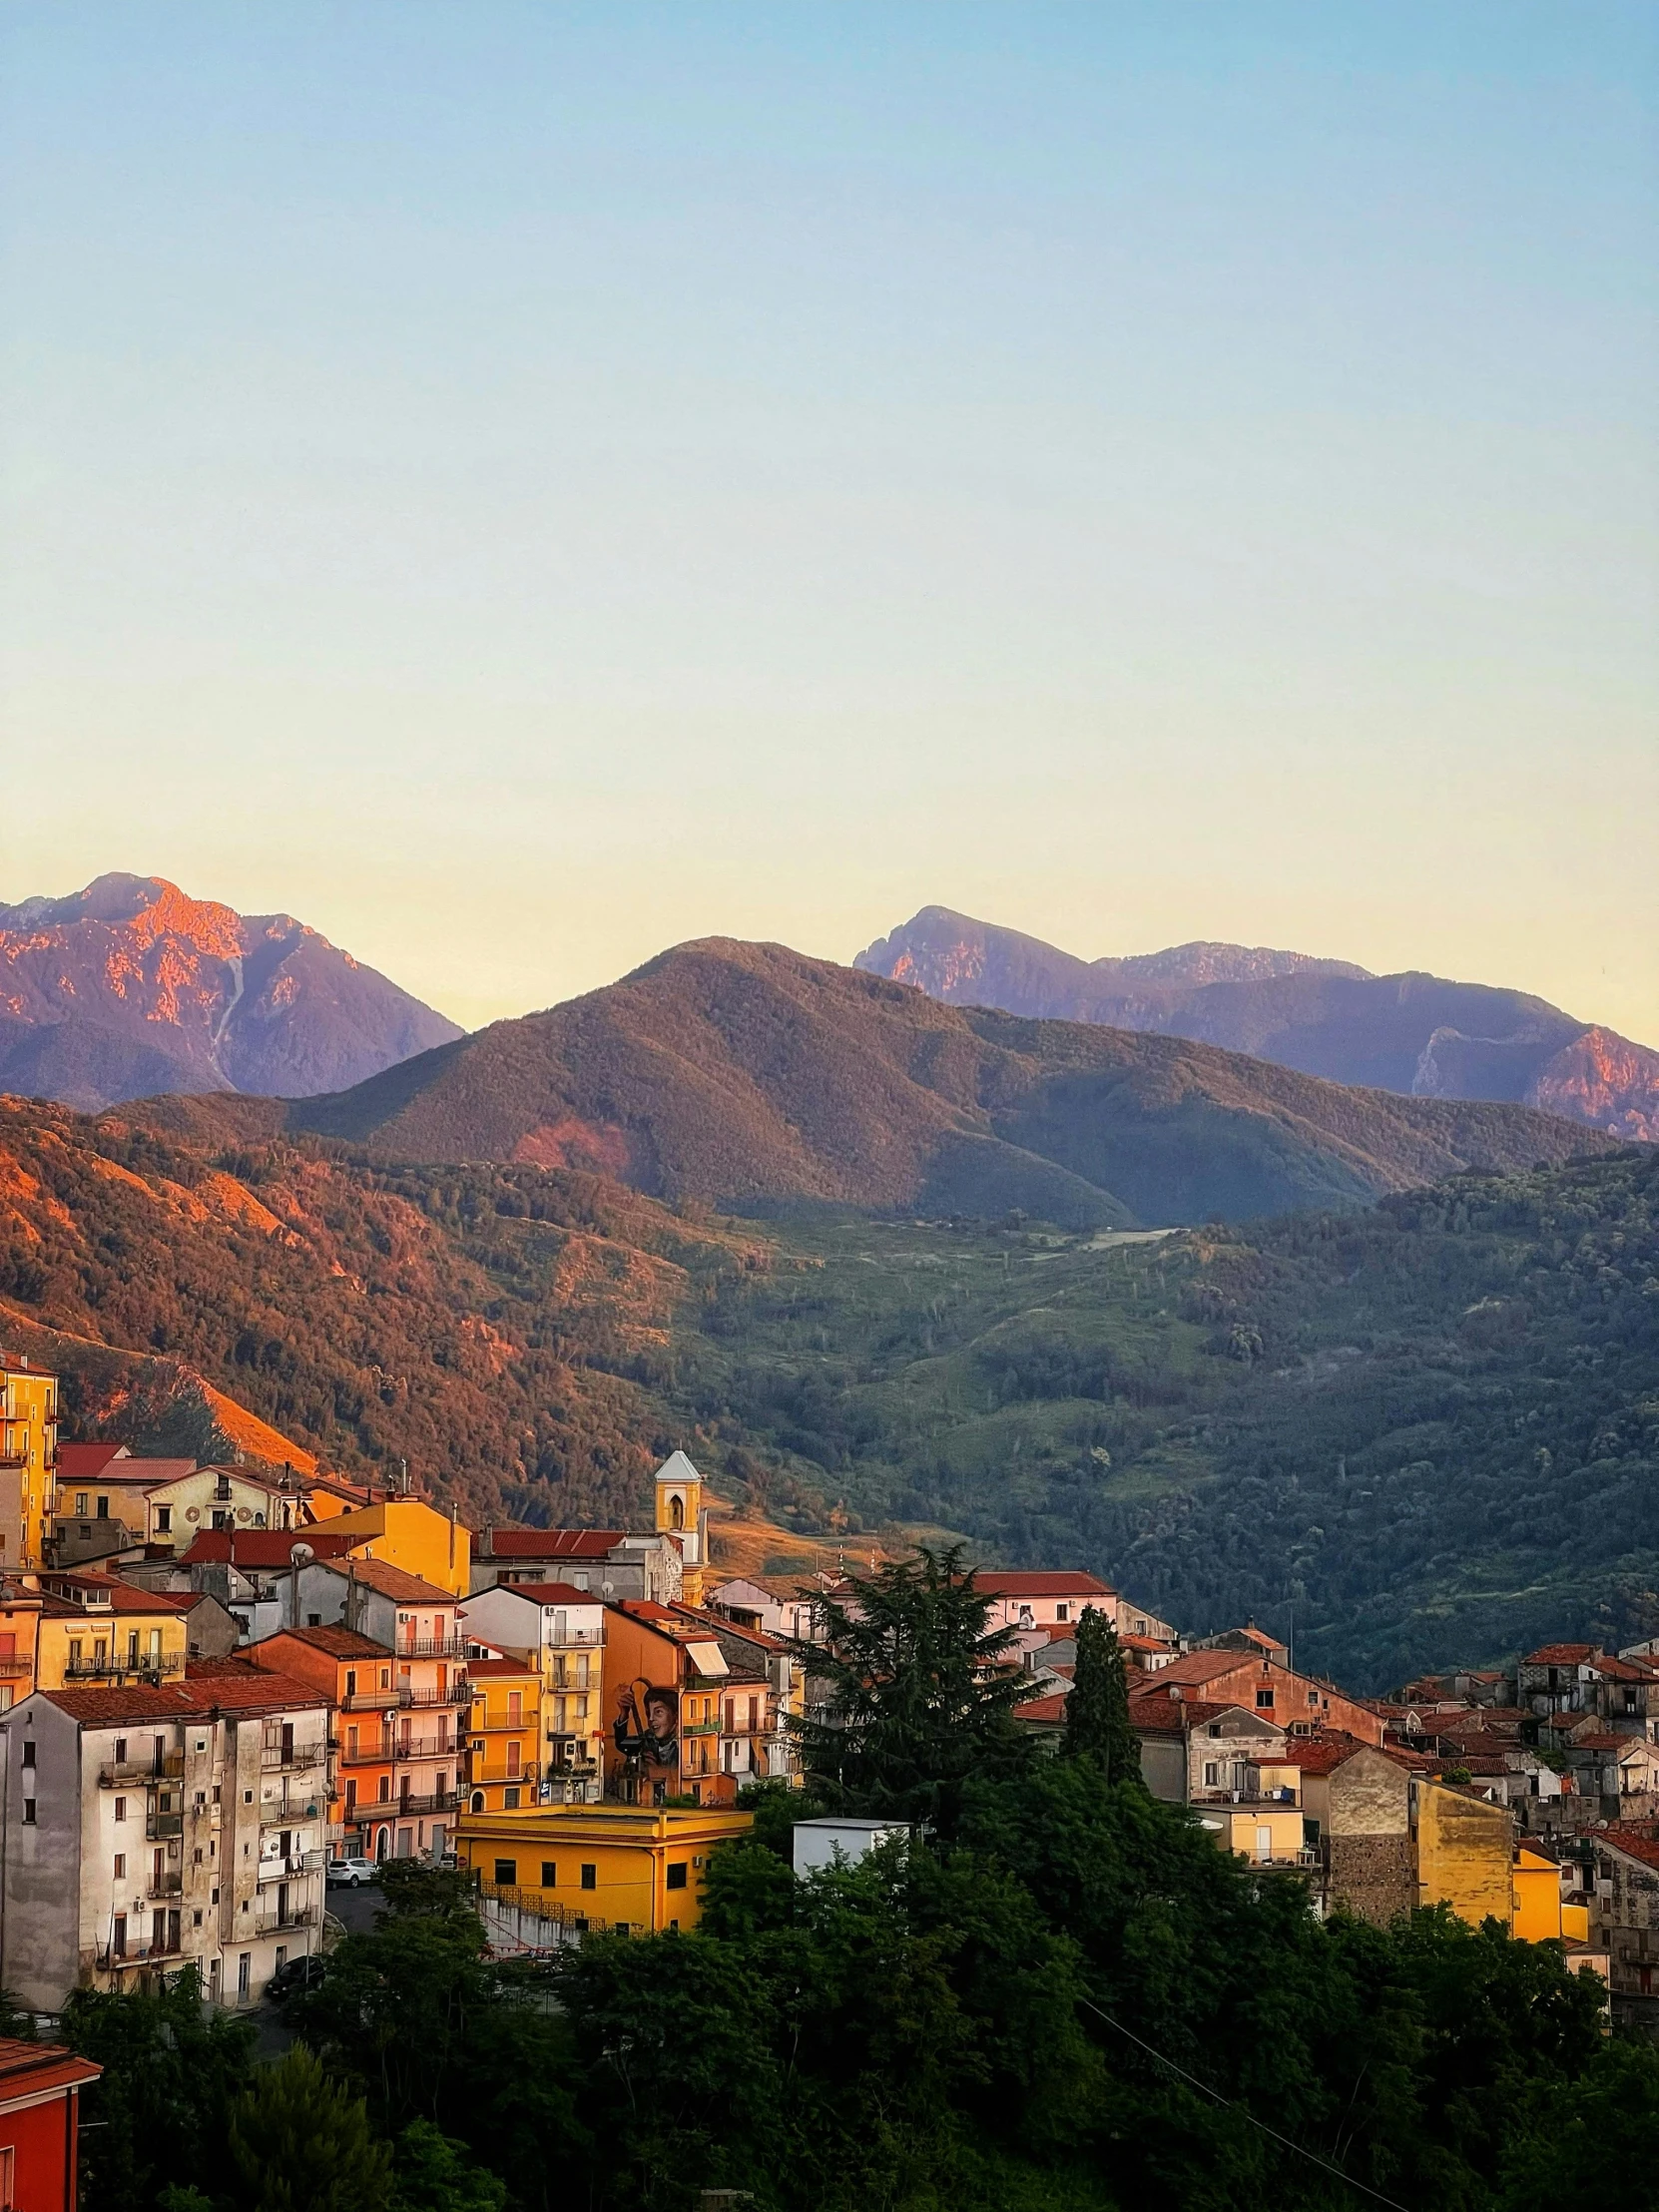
(1416, 1034)
(129, 987)
(748, 1077)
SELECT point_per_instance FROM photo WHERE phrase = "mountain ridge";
(132, 987)
(1416, 1034)
(749, 1077)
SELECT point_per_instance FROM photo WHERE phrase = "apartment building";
(151, 1827)
(28, 1461)
(558, 1631)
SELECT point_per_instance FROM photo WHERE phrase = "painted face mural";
(647, 1732)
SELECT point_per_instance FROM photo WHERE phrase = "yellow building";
(1540, 1914)
(404, 1532)
(28, 1462)
(640, 1868)
(1463, 1852)
(504, 1769)
(97, 1631)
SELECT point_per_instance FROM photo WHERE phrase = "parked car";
(299, 1974)
(352, 1874)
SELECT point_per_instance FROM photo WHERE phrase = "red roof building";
(40, 2124)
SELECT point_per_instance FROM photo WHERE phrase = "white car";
(352, 1874)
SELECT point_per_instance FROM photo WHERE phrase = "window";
(103, 1508)
(350, 1681)
(120, 1808)
(120, 1750)
(676, 1878)
(507, 1873)
(245, 1972)
(1265, 1698)
(28, 1751)
(590, 1877)
(1212, 1775)
(1312, 1697)
(28, 1812)
(81, 1503)
(118, 1939)
(163, 1520)
(549, 1873)
(509, 1798)
(121, 1866)
(1062, 1612)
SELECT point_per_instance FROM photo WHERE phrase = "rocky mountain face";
(131, 988)
(752, 1078)
(1417, 1034)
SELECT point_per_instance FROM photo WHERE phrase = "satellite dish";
(604, 1588)
(300, 1555)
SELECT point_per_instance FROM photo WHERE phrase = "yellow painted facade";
(1536, 1908)
(19, 1643)
(28, 1463)
(505, 1761)
(106, 1647)
(1267, 1834)
(405, 1533)
(679, 1514)
(606, 1866)
(1463, 1851)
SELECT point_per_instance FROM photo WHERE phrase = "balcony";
(297, 1759)
(135, 1774)
(169, 1949)
(394, 1754)
(459, 1692)
(291, 1812)
(112, 1667)
(160, 1827)
(385, 1809)
(368, 1700)
(502, 1726)
(434, 1647)
(278, 1924)
(292, 1868)
(164, 1885)
(477, 1776)
(14, 1663)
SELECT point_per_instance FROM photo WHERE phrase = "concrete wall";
(38, 1892)
(1464, 1852)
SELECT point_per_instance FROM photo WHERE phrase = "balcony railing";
(403, 1698)
(434, 1647)
(477, 1775)
(16, 1663)
(289, 1812)
(278, 1924)
(133, 1774)
(394, 1754)
(385, 1808)
(292, 1868)
(140, 1954)
(459, 1692)
(164, 1885)
(102, 1667)
(296, 1757)
(161, 1826)
(501, 1726)
(367, 1701)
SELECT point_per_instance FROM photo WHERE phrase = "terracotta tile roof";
(547, 1543)
(1633, 1842)
(489, 1670)
(1198, 1667)
(392, 1582)
(1041, 1709)
(1626, 1670)
(263, 1547)
(204, 1692)
(337, 1642)
(546, 1593)
(1560, 1655)
(77, 1462)
(1325, 1752)
(140, 1474)
(1061, 1582)
(124, 1598)
(1156, 1713)
(1605, 1740)
(1146, 1643)
(30, 2069)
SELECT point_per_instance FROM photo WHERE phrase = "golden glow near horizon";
(518, 500)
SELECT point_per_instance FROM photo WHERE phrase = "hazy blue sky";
(522, 485)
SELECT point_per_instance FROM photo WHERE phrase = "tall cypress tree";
(1097, 1711)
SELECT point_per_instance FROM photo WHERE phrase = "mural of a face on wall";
(647, 1731)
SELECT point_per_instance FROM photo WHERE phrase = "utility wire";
(1243, 2111)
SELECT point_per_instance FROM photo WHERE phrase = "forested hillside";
(1425, 1430)
(1431, 1429)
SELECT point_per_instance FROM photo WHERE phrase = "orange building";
(665, 1678)
(358, 1678)
(504, 1769)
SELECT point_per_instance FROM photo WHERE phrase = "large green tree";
(299, 2141)
(1097, 1711)
(919, 1690)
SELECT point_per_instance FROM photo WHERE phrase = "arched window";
(477, 1800)
(677, 1512)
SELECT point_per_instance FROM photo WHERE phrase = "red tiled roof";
(1154, 1713)
(205, 1691)
(1062, 1582)
(32, 2069)
(1146, 1643)
(547, 1543)
(130, 1475)
(124, 1598)
(545, 1593)
(1204, 1666)
(1560, 1655)
(263, 1547)
(1605, 1740)
(1042, 1709)
(1330, 1749)
(78, 1462)
(392, 1582)
(490, 1669)
(1631, 1841)
(339, 1642)
(1626, 1670)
